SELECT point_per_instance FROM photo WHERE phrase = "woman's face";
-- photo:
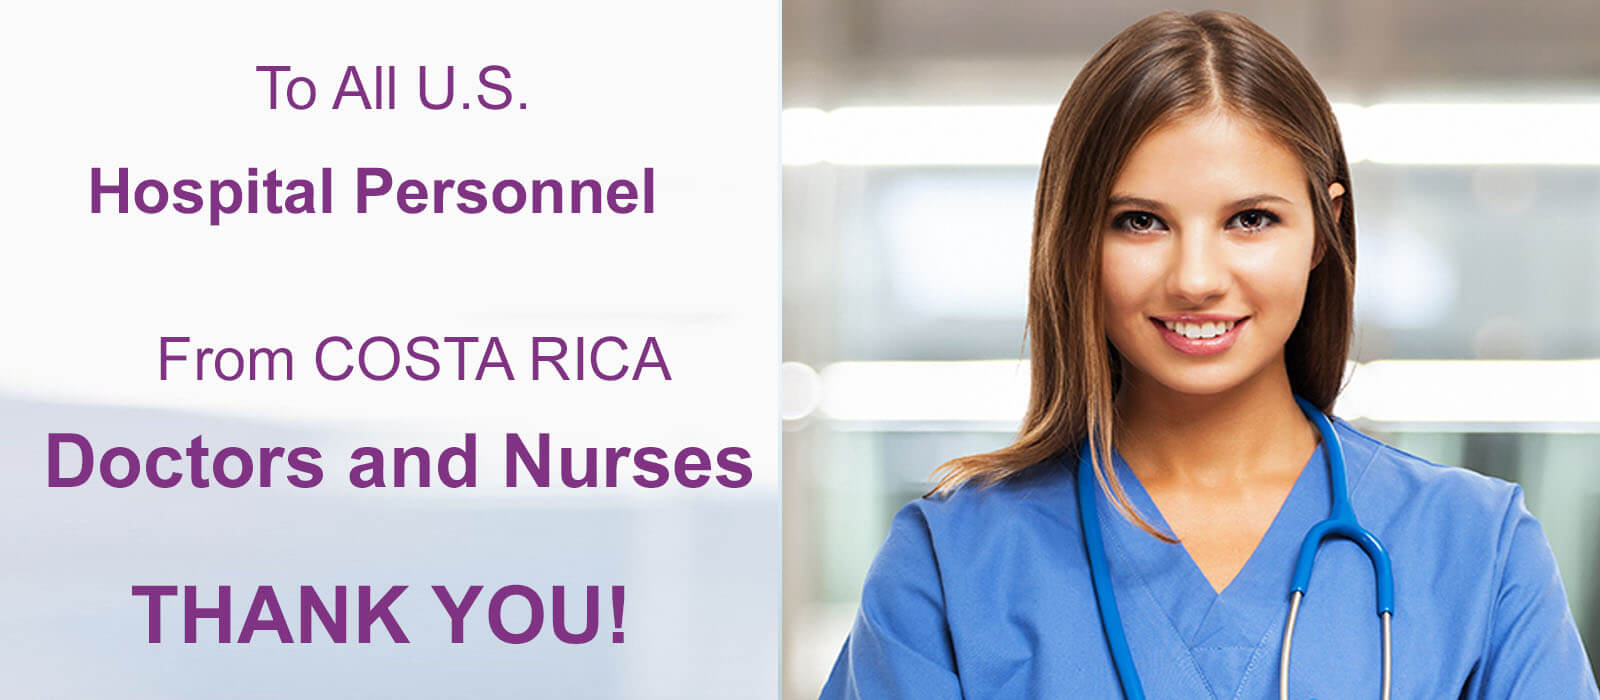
(1207, 248)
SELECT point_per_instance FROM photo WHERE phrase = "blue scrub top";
(985, 594)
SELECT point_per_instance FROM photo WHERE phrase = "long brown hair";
(1162, 68)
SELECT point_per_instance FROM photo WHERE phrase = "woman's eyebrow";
(1141, 202)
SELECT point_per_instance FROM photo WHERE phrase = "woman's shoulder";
(1393, 477)
(1044, 486)
(1035, 502)
(1440, 516)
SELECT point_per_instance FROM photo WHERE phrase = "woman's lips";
(1200, 346)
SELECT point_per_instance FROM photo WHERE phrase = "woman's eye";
(1252, 220)
(1137, 222)
(1255, 219)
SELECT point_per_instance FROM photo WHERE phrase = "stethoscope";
(1340, 523)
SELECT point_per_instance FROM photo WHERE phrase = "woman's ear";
(1335, 193)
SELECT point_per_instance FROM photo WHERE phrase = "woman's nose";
(1200, 272)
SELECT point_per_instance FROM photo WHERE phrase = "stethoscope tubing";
(1340, 523)
(1105, 598)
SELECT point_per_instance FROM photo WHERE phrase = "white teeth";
(1197, 331)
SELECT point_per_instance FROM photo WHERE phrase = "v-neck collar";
(1223, 633)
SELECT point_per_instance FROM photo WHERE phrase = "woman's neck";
(1252, 431)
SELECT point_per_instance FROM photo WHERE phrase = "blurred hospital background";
(912, 134)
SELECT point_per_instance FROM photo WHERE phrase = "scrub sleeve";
(900, 645)
(1532, 649)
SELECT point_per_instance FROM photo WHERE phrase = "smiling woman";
(1190, 306)
(1171, 250)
